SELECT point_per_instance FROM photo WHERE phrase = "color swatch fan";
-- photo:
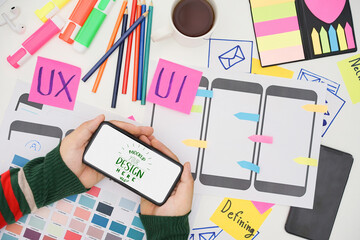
(294, 30)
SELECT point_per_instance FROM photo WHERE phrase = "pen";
(116, 45)
(76, 20)
(92, 24)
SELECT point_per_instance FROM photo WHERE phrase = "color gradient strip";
(247, 116)
(276, 26)
(262, 3)
(261, 139)
(250, 166)
(282, 40)
(195, 143)
(272, 12)
(315, 108)
(306, 161)
(282, 55)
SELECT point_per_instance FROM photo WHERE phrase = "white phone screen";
(132, 163)
(222, 153)
(281, 117)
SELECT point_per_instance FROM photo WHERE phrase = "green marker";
(92, 24)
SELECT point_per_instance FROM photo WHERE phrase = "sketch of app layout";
(292, 130)
(227, 135)
(34, 139)
(172, 127)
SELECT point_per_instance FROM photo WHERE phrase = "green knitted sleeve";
(166, 228)
(50, 179)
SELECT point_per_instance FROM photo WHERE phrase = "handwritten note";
(239, 218)
(350, 71)
(55, 83)
(174, 86)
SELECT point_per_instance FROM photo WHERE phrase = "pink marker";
(49, 29)
(261, 139)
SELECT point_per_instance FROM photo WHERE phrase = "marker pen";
(76, 20)
(92, 24)
(36, 41)
(50, 9)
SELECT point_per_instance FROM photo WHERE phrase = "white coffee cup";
(172, 31)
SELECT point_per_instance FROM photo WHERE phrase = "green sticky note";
(350, 71)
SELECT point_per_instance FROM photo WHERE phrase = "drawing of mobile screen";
(291, 128)
(173, 127)
(132, 163)
(219, 165)
(34, 139)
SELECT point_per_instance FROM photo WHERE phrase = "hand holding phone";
(132, 163)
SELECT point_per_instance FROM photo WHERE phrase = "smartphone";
(134, 164)
(168, 126)
(283, 114)
(219, 165)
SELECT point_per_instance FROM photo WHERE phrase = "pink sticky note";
(262, 206)
(55, 83)
(131, 118)
(174, 86)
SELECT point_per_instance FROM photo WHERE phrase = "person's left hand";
(73, 146)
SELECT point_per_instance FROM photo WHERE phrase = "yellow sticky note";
(195, 143)
(275, 71)
(306, 161)
(350, 71)
(315, 108)
(239, 218)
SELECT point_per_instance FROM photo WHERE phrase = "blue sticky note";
(204, 93)
(247, 116)
(249, 165)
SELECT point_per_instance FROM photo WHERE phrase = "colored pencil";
(136, 54)
(113, 48)
(119, 62)
(147, 54)
(141, 54)
(111, 42)
(128, 50)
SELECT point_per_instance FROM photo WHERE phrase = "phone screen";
(283, 114)
(219, 165)
(168, 126)
(132, 164)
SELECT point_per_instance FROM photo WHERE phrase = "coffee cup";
(191, 21)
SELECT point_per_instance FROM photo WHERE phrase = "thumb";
(186, 186)
(87, 129)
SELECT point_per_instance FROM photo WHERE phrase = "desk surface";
(234, 23)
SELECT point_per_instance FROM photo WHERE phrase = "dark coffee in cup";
(193, 18)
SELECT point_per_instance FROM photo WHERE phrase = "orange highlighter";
(76, 20)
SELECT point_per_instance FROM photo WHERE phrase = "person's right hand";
(180, 201)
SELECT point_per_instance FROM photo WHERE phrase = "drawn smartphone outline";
(204, 84)
(294, 94)
(100, 148)
(41, 138)
(24, 99)
(248, 89)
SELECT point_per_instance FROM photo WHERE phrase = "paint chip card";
(350, 71)
(174, 86)
(239, 218)
(55, 83)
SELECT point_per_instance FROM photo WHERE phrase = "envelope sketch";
(231, 57)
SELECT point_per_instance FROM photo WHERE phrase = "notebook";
(334, 169)
(294, 30)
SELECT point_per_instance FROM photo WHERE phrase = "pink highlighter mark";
(276, 26)
(262, 206)
(349, 36)
(261, 139)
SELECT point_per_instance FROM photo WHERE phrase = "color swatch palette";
(85, 216)
(293, 30)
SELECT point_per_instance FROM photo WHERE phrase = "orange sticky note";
(239, 218)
